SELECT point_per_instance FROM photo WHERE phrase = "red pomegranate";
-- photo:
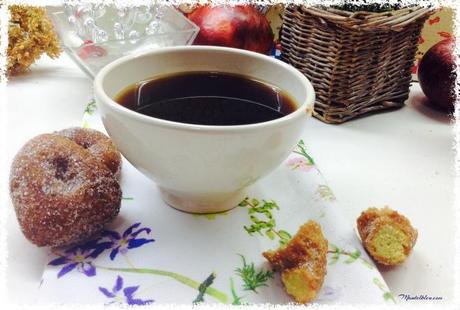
(240, 26)
(437, 76)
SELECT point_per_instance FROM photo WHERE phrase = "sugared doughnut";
(387, 235)
(302, 262)
(62, 194)
(97, 144)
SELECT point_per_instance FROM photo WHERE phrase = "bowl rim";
(102, 98)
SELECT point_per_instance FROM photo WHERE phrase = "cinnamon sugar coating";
(302, 262)
(62, 194)
(387, 235)
(97, 144)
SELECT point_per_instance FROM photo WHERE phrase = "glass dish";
(94, 35)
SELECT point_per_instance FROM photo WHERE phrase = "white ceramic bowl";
(201, 168)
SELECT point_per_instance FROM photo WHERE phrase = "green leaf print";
(284, 234)
(203, 287)
(90, 107)
(253, 279)
(270, 234)
(211, 216)
(236, 299)
(263, 222)
(325, 192)
(336, 253)
(367, 263)
(301, 150)
(387, 295)
(353, 256)
(85, 124)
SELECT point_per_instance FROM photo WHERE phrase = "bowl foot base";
(202, 204)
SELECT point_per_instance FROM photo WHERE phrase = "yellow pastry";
(302, 262)
(387, 235)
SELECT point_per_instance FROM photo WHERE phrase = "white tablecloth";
(404, 159)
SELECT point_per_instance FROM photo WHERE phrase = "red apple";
(240, 26)
(436, 74)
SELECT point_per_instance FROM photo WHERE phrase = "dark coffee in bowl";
(207, 98)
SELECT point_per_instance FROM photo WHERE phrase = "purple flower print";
(127, 296)
(121, 244)
(329, 293)
(299, 163)
(80, 257)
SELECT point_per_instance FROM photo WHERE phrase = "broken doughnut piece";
(386, 235)
(302, 262)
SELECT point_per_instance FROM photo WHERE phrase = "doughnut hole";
(61, 193)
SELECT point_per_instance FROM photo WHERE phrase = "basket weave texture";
(357, 62)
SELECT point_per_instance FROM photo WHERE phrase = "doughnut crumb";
(302, 262)
(387, 235)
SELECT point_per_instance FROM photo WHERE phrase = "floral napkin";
(153, 253)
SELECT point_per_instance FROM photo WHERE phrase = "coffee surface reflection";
(207, 98)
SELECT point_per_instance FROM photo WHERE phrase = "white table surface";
(404, 159)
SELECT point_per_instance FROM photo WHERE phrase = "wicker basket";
(357, 62)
